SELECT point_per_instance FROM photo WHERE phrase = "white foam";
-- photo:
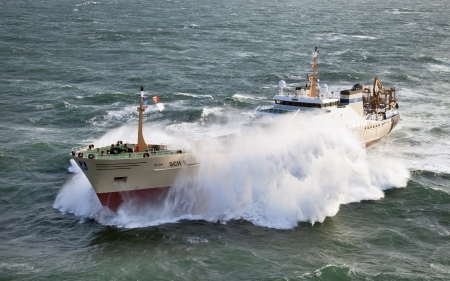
(195, 95)
(271, 178)
(160, 106)
(211, 110)
(242, 97)
(198, 130)
(77, 195)
(246, 54)
(420, 138)
(364, 37)
(18, 268)
(114, 115)
(276, 180)
(443, 66)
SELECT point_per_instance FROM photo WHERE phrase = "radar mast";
(312, 78)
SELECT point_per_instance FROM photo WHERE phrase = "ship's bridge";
(304, 101)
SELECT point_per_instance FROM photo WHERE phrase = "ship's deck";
(122, 152)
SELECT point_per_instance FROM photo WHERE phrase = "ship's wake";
(273, 178)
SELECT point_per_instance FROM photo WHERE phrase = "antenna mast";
(312, 78)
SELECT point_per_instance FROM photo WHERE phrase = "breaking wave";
(195, 95)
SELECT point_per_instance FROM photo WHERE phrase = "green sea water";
(70, 73)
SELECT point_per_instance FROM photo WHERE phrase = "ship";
(120, 171)
(368, 112)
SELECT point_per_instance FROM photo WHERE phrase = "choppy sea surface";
(286, 206)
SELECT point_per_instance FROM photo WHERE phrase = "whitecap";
(211, 111)
(242, 97)
(19, 268)
(195, 95)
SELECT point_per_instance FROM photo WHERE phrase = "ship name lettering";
(176, 163)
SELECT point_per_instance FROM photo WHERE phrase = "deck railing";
(102, 151)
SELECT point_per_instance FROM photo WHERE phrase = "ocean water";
(282, 205)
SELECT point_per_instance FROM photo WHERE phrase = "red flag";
(156, 99)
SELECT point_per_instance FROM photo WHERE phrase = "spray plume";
(273, 177)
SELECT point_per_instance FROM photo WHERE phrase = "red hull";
(113, 200)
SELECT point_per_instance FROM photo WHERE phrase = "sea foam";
(271, 177)
(77, 195)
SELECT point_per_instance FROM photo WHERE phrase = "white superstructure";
(369, 113)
